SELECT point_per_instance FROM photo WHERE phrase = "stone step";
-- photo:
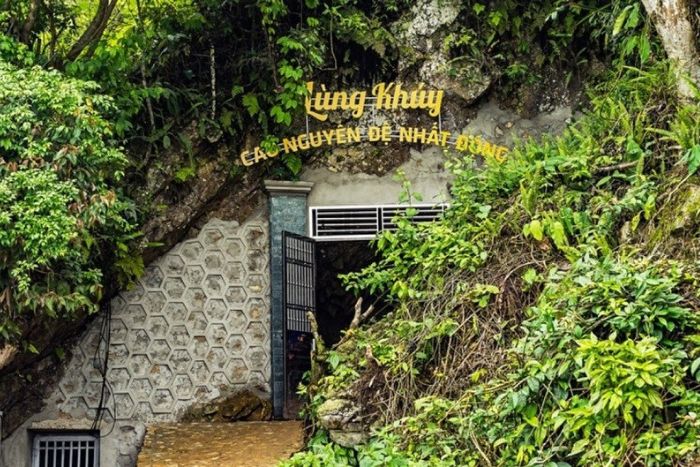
(240, 444)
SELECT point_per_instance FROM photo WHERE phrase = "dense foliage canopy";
(229, 69)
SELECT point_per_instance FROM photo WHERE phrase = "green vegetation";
(62, 214)
(538, 323)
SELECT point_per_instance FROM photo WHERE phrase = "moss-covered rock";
(245, 405)
(340, 418)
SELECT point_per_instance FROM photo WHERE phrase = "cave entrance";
(338, 243)
(311, 270)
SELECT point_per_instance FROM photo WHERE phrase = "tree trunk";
(672, 21)
(26, 34)
(94, 31)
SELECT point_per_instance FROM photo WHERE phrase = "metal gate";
(299, 268)
(299, 297)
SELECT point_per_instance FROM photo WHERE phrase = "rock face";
(427, 17)
(465, 79)
(244, 405)
(423, 32)
(180, 207)
(687, 214)
(675, 221)
(341, 418)
(130, 439)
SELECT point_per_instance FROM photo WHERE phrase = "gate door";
(299, 297)
(299, 266)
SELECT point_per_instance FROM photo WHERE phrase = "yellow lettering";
(274, 153)
(375, 133)
(489, 149)
(474, 144)
(357, 103)
(419, 133)
(445, 137)
(340, 136)
(400, 95)
(389, 96)
(462, 142)
(353, 135)
(328, 135)
(324, 100)
(340, 101)
(381, 92)
(315, 139)
(310, 103)
(500, 153)
(416, 98)
(386, 133)
(259, 155)
(245, 160)
(434, 102)
(289, 145)
(433, 137)
(303, 142)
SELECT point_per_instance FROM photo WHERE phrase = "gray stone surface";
(195, 325)
(425, 169)
(169, 331)
(426, 17)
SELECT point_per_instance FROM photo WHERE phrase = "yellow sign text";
(384, 96)
(475, 145)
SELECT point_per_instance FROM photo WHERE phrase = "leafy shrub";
(62, 217)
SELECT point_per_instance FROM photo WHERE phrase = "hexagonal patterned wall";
(196, 325)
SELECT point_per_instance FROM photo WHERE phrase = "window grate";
(65, 450)
(364, 222)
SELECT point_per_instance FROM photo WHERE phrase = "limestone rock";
(425, 18)
(245, 405)
(422, 33)
(463, 78)
(348, 439)
(688, 213)
(340, 418)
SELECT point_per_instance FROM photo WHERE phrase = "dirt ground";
(243, 444)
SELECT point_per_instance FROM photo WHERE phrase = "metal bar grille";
(299, 280)
(364, 222)
(65, 450)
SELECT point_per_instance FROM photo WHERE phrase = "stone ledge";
(282, 186)
(80, 424)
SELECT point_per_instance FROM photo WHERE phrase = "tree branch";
(612, 168)
(94, 30)
(359, 316)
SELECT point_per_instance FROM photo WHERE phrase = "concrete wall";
(196, 325)
(425, 168)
